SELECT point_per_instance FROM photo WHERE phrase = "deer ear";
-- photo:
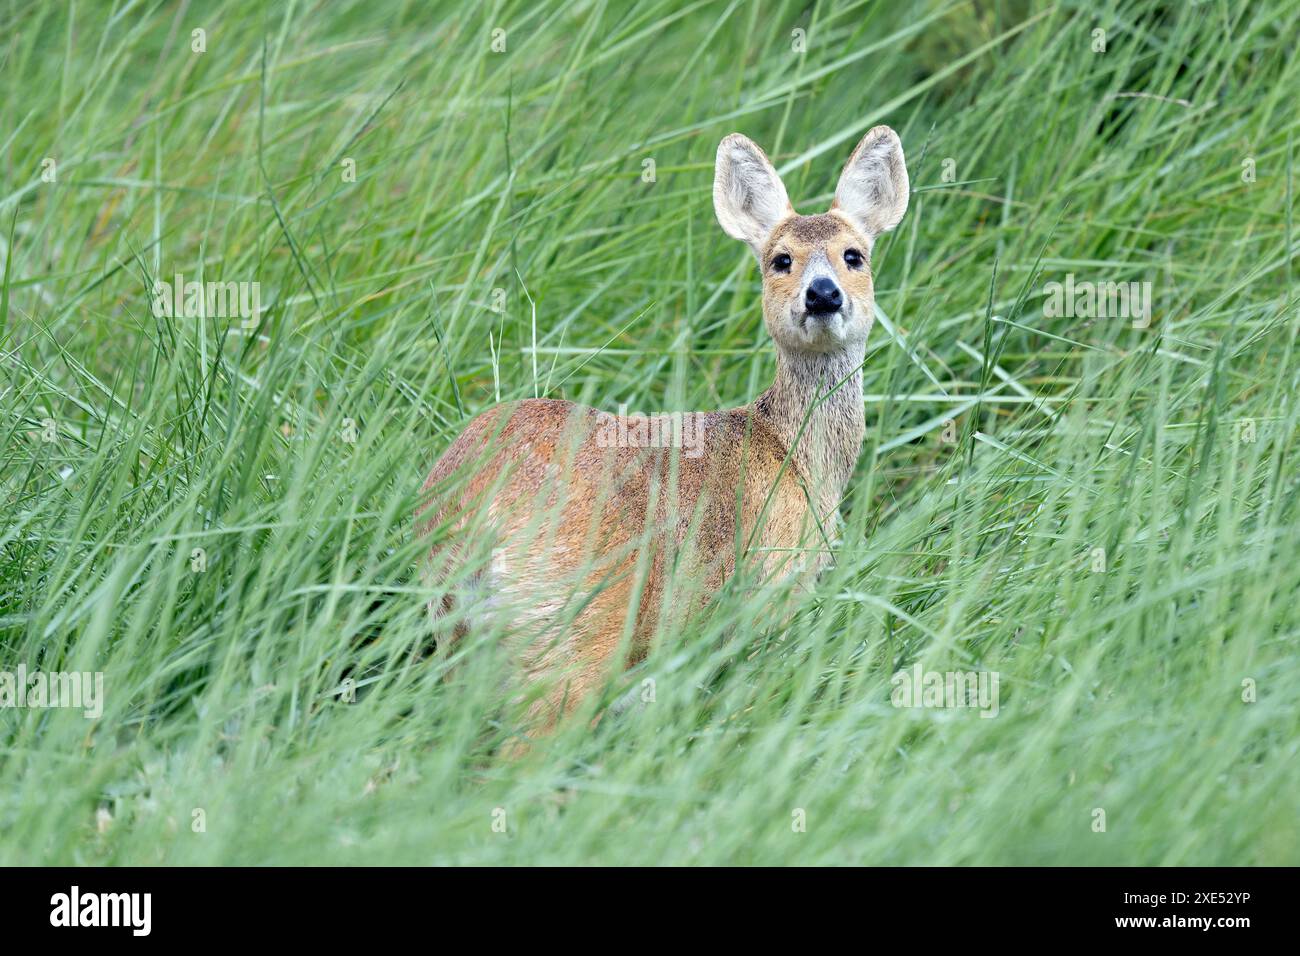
(748, 195)
(873, 188)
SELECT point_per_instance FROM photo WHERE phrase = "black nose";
(823, 297)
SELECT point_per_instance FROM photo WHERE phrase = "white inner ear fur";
(748, 196)
(873, 189)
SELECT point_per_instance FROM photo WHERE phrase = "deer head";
(817, 293)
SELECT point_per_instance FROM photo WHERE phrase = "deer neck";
(815, 408)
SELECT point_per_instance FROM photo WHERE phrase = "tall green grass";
(218, 520)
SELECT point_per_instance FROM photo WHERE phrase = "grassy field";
(1101, 510)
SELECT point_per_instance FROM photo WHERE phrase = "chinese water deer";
(587, 530)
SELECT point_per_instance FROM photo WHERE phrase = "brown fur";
(592, 545)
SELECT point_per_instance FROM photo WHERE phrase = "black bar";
(366, 906)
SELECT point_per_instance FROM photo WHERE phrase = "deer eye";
(782, 263)
(853, 258)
